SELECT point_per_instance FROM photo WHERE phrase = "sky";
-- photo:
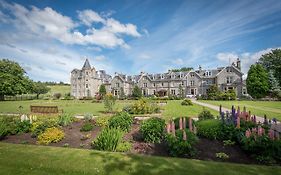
(49, 38)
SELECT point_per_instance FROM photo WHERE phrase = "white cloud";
(89, 16)
(227, 57)
(47, 23)
(144, 56)
(100, 58)
(178, 61)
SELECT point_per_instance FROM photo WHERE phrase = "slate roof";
(86, 65)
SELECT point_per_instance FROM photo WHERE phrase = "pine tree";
(274, 84)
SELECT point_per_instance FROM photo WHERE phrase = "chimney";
(238, 63)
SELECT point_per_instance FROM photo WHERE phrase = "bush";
(87, 127)
(40, 126)
(3, 129)
(108, 139)
(205, 115)
(210, 129)
(22, 127)
(65, 119)
(51, 135)
(222, 155)
(124, 147)
(15, 126)
(121, 120)
(179, 147)
(152, 130)
(109, 102)
(186, 102)
(142, 106)
(102, 121)
(57, 95)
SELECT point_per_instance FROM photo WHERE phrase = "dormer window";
(144, 84)
(228, 79)
(162, 76)
(208, 73)
(229, 69)
(192, 74)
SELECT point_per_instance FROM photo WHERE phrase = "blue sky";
(50, 38)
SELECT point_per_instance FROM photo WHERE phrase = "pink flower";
(168, 127)
(260, 131)
(173, 129)
(180, 123)
(271, 134)
(248, 133)
(184, 136)
(184, 123)
(190, 124)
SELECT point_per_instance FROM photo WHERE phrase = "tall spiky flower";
(190, 124)
(168, 127)
(173, 129)
(180, 123)
(184, 123)
(184, 135)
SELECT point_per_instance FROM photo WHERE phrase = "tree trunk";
(37, 95)
(2, 97)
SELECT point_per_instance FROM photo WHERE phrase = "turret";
(238, 63)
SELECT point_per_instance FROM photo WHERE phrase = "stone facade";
(86, 82)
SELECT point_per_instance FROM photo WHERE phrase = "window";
(86, 79)
(229, 69)
(173, 92)
(154, 92)
(154, 84)
(192, 74)
(115, 93)
(87, 73)
(144, 84)
(162, 76)
(191, 83)
(117, 85)
(228, 79)
(162, 84)
(182, 83)
(208, 73)
(86, 85)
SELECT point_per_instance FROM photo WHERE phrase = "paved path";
(217, 108)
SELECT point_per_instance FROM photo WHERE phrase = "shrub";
(14, 125)
(205, 115)
(152, 130)
(51, 135)
(3, 129)
(124, 147)
(40, 126)
(179, 147)
(121, 120)
(22, 127)
(109, 102)
(88, 116)
(57, 95)
(222, 156)
(186, 102)
(108, 139)
(142, 106)
(210, 129)
(102, 121)
(65, 119)
(228, 143)
(87, 127)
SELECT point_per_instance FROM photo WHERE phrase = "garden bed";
(206, 149)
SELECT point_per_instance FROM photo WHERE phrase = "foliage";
(122, 95)
(228, 143)
(65, 119)
(213, 92)
(51, 135)
(12, 79)
(222, 155)
(181, 91)
(142, 106)
(40, 88)
(102, 121)
(186, 102)
(109, 102)
(122, 120)
(228, 95)
(88, 117)
(257, 81)
(57, 95)
(152, 129)
(87, 127)
(40, 126)
(205, 115)
(102, 90)
(179, 147)
(22, 126)
(124, 147)
(137, 92)
(210, 129)
(271, 62)
(177, 125)
(274, 85)
(3, 129)
(183, 69)
(14, 125)
(108, 139)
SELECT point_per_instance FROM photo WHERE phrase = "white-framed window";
(229, 69)
(154, 85)
(192, 83)
(162, 76)
(144, 84)
(162, 84)
(208, 73)
(182, 83)
(115, 93)
(87, 85)
(229, 79)
(192, 74)
(173, 91)
(154, 92)
(117, 85)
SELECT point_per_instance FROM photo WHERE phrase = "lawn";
(68, 106)
(28, 159)
(271, 108)
(63, 89)
(174, 109)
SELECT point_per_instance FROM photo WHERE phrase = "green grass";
(174, 109)
(31, 159)
(68, 106)
(270, 108)
(63, 89)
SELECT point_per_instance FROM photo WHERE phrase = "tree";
(181, 91)
(213, 92)
(13, 80)
(109, 102)
(273, 83)
(183, 69)
(272, 62)
(257, 81)
(122, 94)
(102, 90)
(40, 88)
(137, 92)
